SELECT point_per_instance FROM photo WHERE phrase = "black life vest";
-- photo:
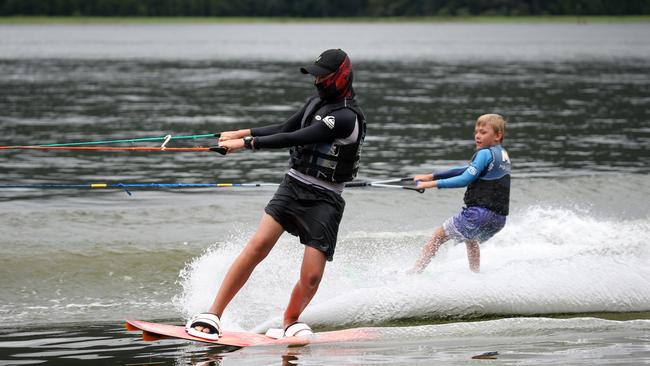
(332, 162)
(492, 188)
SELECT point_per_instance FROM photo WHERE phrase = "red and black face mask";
(339, 85)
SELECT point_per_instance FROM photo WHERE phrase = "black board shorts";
(313, 214)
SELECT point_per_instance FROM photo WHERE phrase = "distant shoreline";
(276, 20)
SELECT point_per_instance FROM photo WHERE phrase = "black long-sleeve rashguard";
(290, 133)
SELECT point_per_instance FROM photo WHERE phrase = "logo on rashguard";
(472, 170)
(329, 121)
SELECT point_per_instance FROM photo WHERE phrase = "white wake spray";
(545, 261)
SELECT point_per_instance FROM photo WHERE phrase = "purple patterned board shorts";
(474, 223)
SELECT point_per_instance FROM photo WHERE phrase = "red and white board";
(156, 331)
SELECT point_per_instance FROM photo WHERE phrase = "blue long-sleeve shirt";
(462, 176)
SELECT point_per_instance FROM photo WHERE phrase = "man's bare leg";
(311, 273)
(257, 248)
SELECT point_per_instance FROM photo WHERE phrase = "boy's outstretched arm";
(431, 180)
(451, 172)
(481, 161)
(440, 175)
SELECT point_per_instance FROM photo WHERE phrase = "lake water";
(565, 282)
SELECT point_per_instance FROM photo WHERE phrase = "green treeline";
(321, 8)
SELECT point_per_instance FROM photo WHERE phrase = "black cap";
(327, 63)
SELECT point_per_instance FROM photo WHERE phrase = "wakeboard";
(157, 331)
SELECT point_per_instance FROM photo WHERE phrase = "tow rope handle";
(219, 149)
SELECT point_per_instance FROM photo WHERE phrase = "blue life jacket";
(492, 187)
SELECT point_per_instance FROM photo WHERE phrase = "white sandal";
(298, 330)
(205, 320)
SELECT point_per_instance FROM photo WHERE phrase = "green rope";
(132, 140)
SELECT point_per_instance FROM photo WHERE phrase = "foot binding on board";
(298, 329)
(207, 321)
(294, 330)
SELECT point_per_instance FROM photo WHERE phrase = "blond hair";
(496, 121)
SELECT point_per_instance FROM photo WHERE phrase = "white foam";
(266, 292)
(546, 261)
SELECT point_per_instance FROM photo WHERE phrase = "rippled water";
(74, 263)
(564, 118)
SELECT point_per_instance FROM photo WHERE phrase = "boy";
(487, 178)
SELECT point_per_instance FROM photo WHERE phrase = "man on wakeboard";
(325, 137)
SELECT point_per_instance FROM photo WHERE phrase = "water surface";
(75, 263)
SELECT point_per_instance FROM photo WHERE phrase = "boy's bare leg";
(311, 272)
(474, 255)
(258, 247)
(429, 250)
